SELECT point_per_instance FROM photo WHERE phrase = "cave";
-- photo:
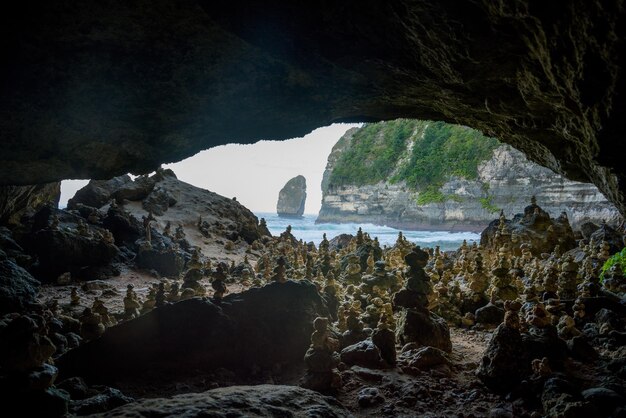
(99, 90)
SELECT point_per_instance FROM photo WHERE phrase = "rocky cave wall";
(94, 90)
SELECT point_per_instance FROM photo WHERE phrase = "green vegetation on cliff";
(617, 258)
(424, 154)
(373, 152)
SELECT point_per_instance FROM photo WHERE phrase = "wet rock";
(370, 397)
(106, 399)
(424, 328)
(364, 354)
(505, 362)
(249, 401)
(292, 198)
(18, 288)
(605, 400)
(256, 328)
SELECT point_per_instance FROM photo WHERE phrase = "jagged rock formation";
(172, 200)
(292, 197)
(504, 181)
(249, 401)
(82, 97)
(17, 287)
(17, 201)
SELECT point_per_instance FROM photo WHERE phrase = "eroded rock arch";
(93, 89)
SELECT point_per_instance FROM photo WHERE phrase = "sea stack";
(292, 198)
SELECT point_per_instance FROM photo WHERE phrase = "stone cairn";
(321, 360)
(416, 323)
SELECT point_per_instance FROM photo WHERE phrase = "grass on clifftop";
(373, 153)
(440, 150)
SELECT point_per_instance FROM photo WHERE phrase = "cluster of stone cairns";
(543, 292)
(29, 345)
(533, 279)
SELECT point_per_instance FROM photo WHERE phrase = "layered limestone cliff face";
(505, 181)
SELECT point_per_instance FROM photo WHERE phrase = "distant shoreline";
(410, 226)
(400, 225)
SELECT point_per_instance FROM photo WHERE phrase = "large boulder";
(179, 203)
(423, 328)
(98, 193)
(17, 287)
(363, 353)
(165, 261)
(505, 362)
(259, 327)
(292, 197)
(339, 242)
(535, 228)
(249, 401)
(65, 250)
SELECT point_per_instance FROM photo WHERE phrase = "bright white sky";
(254, 173)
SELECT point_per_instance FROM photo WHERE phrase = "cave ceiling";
(97, 89)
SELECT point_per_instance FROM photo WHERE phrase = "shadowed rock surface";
(17, 201)
(17, 287)
(237, 401)
(259, 327)
(138, 86)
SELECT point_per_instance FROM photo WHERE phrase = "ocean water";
(305, 228)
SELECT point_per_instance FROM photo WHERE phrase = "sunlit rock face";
(505, 181)
(97, 90)
(292, 198)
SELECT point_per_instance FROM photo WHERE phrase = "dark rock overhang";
(98, 89)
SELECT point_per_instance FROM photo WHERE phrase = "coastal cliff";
(458, 196)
